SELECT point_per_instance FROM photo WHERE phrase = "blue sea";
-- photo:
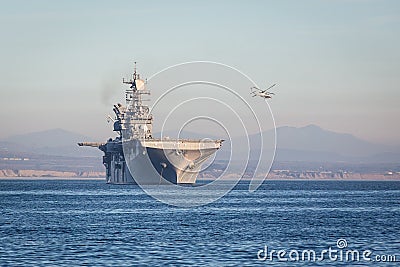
(91, 223)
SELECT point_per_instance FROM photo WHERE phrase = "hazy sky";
(337, 63)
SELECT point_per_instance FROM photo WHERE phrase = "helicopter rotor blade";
(271, 86)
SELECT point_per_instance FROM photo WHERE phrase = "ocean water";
(76, 223)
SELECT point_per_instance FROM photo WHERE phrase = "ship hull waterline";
(158, 162)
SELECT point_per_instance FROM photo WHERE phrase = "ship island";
(136, 157)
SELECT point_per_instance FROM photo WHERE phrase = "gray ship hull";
(152, 162)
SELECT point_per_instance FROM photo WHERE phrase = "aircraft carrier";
(136, 157)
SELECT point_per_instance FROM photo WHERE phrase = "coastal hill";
(312, 143)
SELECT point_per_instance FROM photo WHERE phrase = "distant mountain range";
(57, 142)
(312, 143)
(309, 143)
(314, 138)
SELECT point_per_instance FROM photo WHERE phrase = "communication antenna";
(134, 71)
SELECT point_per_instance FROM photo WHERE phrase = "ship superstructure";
(135, 156)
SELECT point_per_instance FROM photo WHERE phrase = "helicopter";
(255, 91)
